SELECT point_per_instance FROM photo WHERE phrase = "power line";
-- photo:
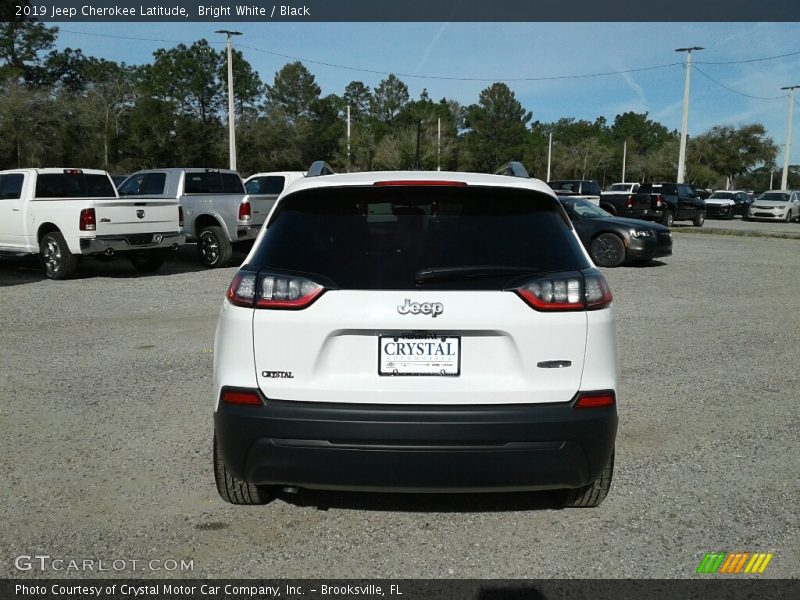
(445, 78)
(730, 89)
(475, 79)
(379, 72)
(751, 60)
(128, 37)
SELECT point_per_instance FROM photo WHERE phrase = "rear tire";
(592, 495)
(233, 490)
(58, 262)
(148, 261)
(214, 247)
(699, 219)
(607, 250)
(668, 219)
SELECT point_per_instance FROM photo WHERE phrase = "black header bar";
(713, 588)
(406, 10)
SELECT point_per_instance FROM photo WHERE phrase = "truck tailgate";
(126, 216)
(260, 206)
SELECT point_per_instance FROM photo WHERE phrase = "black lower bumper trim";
(415, 448)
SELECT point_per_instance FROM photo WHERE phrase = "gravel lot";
(106, 425)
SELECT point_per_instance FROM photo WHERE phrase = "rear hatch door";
(418, 304)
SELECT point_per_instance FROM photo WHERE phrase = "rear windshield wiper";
(467, 272)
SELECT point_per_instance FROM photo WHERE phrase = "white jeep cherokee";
(416, 331)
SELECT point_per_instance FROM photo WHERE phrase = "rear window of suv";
(381, 237)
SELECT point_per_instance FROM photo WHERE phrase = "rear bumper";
(247, 232)
(130, 243)
(655, 214)
(415, 448)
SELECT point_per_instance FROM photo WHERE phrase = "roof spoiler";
(319, 167)
(513, 169)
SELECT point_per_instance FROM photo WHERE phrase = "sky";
(425, 55)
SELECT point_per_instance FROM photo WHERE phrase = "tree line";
(61, 107)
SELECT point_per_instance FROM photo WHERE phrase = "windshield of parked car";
(381, 237)
(584, 209)
(775, 196)
(723, 195)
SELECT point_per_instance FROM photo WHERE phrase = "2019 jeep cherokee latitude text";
(416, 331)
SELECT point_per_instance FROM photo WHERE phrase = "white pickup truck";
(218, 213)
(63, 214)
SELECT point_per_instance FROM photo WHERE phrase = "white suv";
(416, 331)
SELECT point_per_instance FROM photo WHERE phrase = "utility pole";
(417, 163)
(685, 118)
(624, 156)
(439, 144)
(231, 117)
(549, 154)
(348, 138)
(787, 149)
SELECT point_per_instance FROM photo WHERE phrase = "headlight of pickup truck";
(641, 233)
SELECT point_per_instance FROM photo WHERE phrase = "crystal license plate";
(415, 355)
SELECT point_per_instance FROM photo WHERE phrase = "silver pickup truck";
(217, 212)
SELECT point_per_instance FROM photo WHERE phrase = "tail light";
(629, 203)
(659, 201)
(602, 399)
(244, 211)
(419, 182)
(578, 291)
(180, 216)
(88, 220)
(241, 397)
(271, 290)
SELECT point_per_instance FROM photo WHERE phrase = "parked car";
(264, 188)
(671, 202)
(66, 214)
(776, 205)
(613, 241)
(724, 204)
(627, 188)
(426, 331)
(271, 183)
(588, 189)
(218, 213)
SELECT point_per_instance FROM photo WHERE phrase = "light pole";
(231, 120)
(787, 149)
(685, 118)
(549, 154)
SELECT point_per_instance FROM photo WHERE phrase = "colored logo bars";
(734, 562)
